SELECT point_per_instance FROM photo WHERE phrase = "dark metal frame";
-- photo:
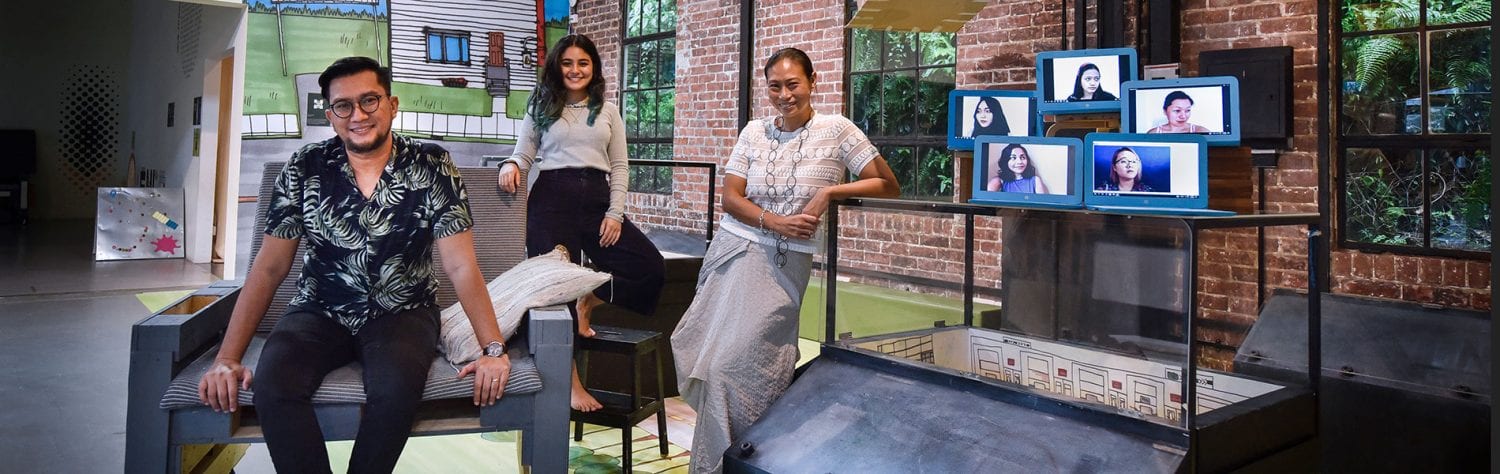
(1193, 224)
(625, 42)
(1424, 142)
(917, 142)
(444, 34)
(713, 171)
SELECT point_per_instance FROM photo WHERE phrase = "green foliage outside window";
(649, 102)
(898, 95)
(1431, 188)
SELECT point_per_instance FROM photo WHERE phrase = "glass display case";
(1074, 350)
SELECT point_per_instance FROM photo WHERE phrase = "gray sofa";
(170, 350)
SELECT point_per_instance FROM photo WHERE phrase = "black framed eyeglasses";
(345, 108)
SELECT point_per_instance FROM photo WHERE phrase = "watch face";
(494, 349)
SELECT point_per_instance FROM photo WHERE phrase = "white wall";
(40, 43)
(175, 48)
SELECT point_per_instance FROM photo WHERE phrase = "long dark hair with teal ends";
(551, 95)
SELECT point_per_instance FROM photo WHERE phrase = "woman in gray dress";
(737, 344)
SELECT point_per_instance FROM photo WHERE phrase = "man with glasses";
(370, 204)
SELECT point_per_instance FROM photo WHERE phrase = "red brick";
(1431, 271)
(1479, 274)
(1454, 273)
(1380, 289)
(1408, 270)
(1384, 267)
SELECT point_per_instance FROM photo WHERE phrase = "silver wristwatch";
(494, 349)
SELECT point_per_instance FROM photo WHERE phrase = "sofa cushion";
(344, 385)
(544, 280)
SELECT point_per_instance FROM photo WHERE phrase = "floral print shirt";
(367, 257)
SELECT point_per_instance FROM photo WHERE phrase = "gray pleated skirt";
(736, 345)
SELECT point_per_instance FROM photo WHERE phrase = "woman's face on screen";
(983, 116)
(1127, 165)
(1090, 79)
(1180, 111)
(1018, 161)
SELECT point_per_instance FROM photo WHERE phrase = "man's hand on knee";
(490, 376)
(220, 386)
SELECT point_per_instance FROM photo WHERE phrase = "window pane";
(1444, 12)
(866, 46)
(903, 165)
(669, 16)
(1380, 85)
(1371, 15)
(900, 50)
(864, 102)
(932, 95)
(632, 60)
(632, 115)
(647, 113)
(633, 18)
(900, 111)
(1460, 85)
(1459, 184)
(650, 61)
(666, 110)
(935, 174)
(1383, 196)
(453, 48)
(649, 17)
(939, 49)
(434, 47)
(666, 61)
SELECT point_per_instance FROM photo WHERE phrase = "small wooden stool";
(623, 410)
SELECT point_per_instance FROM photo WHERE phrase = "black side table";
(623, 410)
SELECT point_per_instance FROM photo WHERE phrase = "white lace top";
(783, 170)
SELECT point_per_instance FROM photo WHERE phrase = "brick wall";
(997, 51)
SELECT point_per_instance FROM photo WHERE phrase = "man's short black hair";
(354, 65)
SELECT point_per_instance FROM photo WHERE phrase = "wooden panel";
(1229, 183)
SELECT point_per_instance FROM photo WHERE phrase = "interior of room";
(1357, 181)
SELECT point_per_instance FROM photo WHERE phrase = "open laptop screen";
(976, 113)
(1207, 106)
(1147, 168)
(1027, 170)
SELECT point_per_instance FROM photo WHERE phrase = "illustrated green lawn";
(443, 100)
(866, 310)
(312, 42)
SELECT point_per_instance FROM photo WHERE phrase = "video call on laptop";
(1041, 172)
(1147, 174)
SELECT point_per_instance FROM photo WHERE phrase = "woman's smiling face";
(1018, 161)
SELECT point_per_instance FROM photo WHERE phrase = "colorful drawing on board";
(136, 223)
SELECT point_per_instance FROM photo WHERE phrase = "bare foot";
(581, 399)
(585, 306)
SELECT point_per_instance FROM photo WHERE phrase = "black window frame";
(919, 144)
(1424, 143)
(444, 34)
(647, 179)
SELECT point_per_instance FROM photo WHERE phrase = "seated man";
(370, 203)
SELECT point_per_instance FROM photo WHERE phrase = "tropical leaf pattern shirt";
(367, 258)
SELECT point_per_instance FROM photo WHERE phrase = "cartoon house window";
(447, 46)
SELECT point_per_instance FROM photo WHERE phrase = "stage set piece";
(1086, 366)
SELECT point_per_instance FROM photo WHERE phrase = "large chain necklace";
(783, 193)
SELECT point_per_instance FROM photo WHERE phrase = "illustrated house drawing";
(489, 47)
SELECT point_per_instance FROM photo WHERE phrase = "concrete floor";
(64, 344)
(64, 353)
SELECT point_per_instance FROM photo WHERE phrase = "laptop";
(1148, 174)
(1038, 172)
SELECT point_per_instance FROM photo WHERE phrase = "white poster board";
(139, 223)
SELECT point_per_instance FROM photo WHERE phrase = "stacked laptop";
(1158, 165)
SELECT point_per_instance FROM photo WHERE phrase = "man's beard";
(379, 141)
